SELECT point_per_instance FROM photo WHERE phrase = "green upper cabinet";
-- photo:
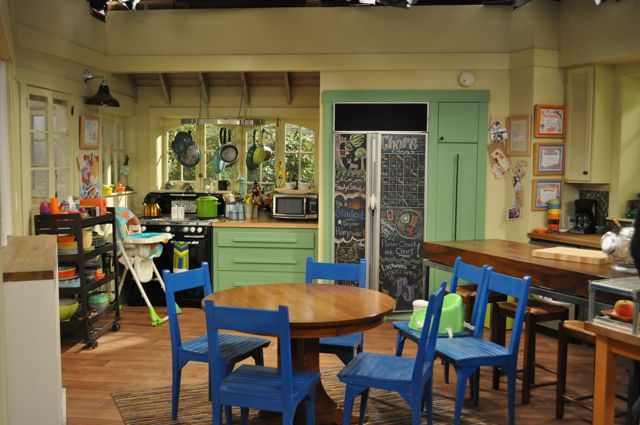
(458, 122)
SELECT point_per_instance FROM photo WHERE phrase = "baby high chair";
(136, 251)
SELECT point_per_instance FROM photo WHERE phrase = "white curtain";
(5, 169)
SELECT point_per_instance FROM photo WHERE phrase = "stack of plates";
(69, 283)
(67, 272)
(67, 245)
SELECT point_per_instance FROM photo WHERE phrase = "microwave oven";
(295, 206)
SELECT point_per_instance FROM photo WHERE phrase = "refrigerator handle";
(373, 201)
(456, 163)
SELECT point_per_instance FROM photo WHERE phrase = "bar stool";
(468, 294)
(537, 312)
(574, 329)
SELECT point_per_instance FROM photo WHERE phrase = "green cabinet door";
(458, 122)
(456, 198)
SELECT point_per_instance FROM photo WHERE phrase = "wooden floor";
(138, 356)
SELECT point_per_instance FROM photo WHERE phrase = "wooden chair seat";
(536, 312)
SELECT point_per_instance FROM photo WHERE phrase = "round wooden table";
(315, 311)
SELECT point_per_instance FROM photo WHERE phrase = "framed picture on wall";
(544, 190)
(519, 141)
(548, 159)
(550, 121)
(89, 132)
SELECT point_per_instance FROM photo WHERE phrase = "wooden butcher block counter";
(514, 258)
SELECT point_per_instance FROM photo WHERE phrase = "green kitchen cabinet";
(252, 256)
(458, 122)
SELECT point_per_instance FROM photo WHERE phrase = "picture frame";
(542, 191)
(550, 121)
(89, 132)
(519, 141)
(548, 159)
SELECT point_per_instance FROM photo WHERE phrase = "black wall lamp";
(102, 96)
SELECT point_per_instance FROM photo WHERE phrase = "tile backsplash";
(602, 196)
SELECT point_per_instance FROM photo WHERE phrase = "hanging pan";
(228, 152)
(218, 164)
(250, 154)
(190, 157)
(181, 142)
(258, 154)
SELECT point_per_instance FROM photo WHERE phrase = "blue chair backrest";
(428, 337)
(507, 285)
(250, 320)
(337, 271)
(176, 282)
(462, 270)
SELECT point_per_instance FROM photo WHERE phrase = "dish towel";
(180, 256)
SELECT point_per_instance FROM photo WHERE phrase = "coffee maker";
(585, 216)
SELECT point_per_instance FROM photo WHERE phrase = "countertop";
(515, 259)
(28, 258)
(265, 223)
(574, 239)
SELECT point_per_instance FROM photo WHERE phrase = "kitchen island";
(261, 251)
(562, 280)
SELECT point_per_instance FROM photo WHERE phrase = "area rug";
(153, 406)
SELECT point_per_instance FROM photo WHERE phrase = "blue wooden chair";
(463, 271)
(259, 387)
(412, 378)
(468, 354)
(344, 346)
(234, 348)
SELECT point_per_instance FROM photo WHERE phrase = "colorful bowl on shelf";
(68, 307)
(99, 301)
(66, 239)
(67, 272)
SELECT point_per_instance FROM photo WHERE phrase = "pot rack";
(241, 119)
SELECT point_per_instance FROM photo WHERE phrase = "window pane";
(306, 168)
(291, 166)
(39, 151)
(63, 184)
(61, 150)
(60, 116)
(308, 140)
(189, 173)
(173, 166)
(291, 137)
(38, 111)
(39, 184)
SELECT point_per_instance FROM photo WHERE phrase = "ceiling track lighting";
(103, 96)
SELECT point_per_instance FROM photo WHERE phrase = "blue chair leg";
(310, 408)
(400, 339)
(244, 416)
(287, 417)
(363, 405)
(428, 397)
(176, 374)
(511, 393)
(216, 413)
(227, 414)
(258, 357)
(349, 394)
(415, 412)
(462, 375)
(345, 357)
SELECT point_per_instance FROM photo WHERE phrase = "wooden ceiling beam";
(204, 87)
(133, 87)
(166, 87)
(245, 87)
(287, 88)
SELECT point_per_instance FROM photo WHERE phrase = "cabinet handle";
(441, 138)
(252, 261)
(584, 173)
(250, 240)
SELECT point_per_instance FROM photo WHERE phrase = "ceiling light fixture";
(103, 96)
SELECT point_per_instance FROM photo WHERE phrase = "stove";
(192, 243)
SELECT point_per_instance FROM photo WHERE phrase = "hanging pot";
(191, 157)
(258, 154)
(250, 153)
(218, 164)
(268, 153)
(228, 152)
(181, 142)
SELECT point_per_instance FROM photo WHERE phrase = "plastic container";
(68, 307)
(99, 301)
(452, 315)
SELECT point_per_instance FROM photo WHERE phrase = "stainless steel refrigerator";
(380, 208)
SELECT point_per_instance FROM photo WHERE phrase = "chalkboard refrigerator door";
(379, 204)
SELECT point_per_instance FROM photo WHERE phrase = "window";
(299, 152)
(177, 172)
(50, 150)
(112, 148)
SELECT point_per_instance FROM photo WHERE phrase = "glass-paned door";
(50, 149)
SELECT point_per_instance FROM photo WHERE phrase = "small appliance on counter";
(619, 247)
(585, 216)
(300, 206)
